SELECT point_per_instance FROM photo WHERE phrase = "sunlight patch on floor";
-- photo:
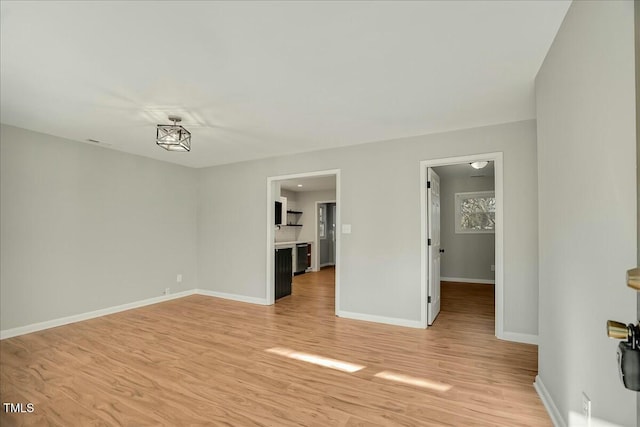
(420, 382)
(316, 360)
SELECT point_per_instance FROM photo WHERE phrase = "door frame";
(497, 158)
(270, 226)
(316, 256)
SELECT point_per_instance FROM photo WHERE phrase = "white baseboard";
(35, 327)
(467, 280)
(234, 297)
(519, 337)
(547, 401)
(381, 319)
(22, 330)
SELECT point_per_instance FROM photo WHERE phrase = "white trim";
(497, 158)
(467, 280)
(338, 258)
(22, 330)
(519, 337)
(270, 227)
(380, 319)
(35, 327)
(234, 297)
(547, 401)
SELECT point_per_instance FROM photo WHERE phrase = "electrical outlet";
(179, 278)
(586, 407)
(493, 267)
(167, 291)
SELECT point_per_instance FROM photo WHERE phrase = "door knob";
(628, 352)
(617, 330)
(633, 278)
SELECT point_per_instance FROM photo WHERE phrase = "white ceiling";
(316, 183)
(260, 79)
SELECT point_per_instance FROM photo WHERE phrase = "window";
(476, 212)
(322, 222)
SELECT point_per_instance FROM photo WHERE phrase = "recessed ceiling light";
(299, 185)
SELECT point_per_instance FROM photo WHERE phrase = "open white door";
(433, 242)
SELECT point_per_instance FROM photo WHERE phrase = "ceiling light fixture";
(479, 165)
(299, 185)
(173, 137)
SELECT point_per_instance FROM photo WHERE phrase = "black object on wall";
(278, 215)
(283, 272)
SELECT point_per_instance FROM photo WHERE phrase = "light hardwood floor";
(205, 361)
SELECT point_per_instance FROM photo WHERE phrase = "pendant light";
(173, 137)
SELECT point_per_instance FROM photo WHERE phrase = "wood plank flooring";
(204, 361)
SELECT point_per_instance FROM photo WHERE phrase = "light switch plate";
(346, 228)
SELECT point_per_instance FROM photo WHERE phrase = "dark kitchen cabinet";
(283, 272)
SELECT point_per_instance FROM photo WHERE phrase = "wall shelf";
(292, 220)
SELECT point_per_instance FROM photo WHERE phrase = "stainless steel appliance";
(301, 258)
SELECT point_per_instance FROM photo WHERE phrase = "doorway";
(298, 196)
(326, 233)
(464, 241)
(430, 278)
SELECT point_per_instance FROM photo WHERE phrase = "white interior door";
(433, 241)
(332, 230)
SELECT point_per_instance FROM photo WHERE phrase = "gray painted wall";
(85, 228)
(70, 210)
(307, 204)
(380, 198)
(466, 255)
(587, 200)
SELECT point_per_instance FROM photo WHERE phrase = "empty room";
(319, 213)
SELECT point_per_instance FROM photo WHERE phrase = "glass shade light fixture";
(479, 165)
(173, 137)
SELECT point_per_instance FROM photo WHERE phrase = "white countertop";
(295, 242)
